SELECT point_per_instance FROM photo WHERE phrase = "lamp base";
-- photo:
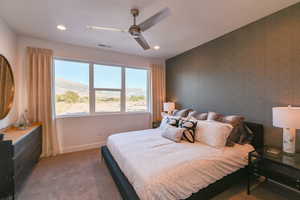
(289, 141)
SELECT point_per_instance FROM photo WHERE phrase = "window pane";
(107, 77)
(136, 90)
(71, 87)
(108, 101)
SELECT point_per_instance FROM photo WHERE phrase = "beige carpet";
(82, 176)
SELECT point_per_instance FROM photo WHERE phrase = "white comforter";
(162, 169)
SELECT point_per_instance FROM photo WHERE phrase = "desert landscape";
(73, 98)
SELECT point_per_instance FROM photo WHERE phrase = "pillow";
(198, 115)
(189, 129)
(213, 116)
(168, 120)
(173, 133)
(236, 121)
(246, 134)
(213, 133)
(182, 113)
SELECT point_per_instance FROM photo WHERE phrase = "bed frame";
(128, 193)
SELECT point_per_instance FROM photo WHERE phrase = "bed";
(144, 175)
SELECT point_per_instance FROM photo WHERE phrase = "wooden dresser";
(19, 152)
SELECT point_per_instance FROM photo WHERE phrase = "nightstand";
(156, 124)
(280, 168)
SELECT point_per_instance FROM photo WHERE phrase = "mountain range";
(63, 85)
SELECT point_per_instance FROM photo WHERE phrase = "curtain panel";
(40, 109)
(158, 90)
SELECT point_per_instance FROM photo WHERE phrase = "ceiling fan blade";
(155, 19)
(142, 41)
(105, 28)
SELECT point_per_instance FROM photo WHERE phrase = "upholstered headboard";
(258, 130)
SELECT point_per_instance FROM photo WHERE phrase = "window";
(83, 88)
(71, 87)
(136, 89)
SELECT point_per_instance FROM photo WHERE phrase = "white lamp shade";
(169, 106)
(286, 117)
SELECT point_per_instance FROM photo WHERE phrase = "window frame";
(92, 89)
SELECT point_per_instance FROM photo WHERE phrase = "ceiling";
(192, 22)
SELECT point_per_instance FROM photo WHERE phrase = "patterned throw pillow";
(173, 121)
(189, 132)
(168, 120)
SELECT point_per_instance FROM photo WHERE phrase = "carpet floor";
(83, 176)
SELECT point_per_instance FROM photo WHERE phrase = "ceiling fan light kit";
(136, 30)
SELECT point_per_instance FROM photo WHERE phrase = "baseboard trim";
(83, 147)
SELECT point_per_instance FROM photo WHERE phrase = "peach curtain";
(40, 109)
(158, 90)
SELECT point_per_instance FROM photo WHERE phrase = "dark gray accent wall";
(245, 72)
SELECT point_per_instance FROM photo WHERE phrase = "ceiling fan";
(136, 30)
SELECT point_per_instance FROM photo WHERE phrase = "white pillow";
(173, 133)
(213, 133)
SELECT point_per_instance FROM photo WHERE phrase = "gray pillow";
(246, 134)
(213, 116)
(182, 113)
(237, 122)
(198, 115)
(173, 133)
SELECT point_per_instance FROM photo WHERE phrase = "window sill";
(100, 114)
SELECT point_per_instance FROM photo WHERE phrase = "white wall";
(8, 48)
(78, 133)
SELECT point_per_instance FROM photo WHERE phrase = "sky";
(104, 76)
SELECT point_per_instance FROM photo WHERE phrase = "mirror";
(7, 87)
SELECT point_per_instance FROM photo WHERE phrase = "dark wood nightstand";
(280, 168)
(156, 124)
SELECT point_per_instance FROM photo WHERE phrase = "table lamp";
(287, 118)
(169, 107)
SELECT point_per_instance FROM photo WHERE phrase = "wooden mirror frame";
(10, 101)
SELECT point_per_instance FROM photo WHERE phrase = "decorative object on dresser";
(280, 168)
(287, 118)
(169, 107)
(20, 150)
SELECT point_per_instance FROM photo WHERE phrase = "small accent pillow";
(198, 115)
(182, 113)
(168, 120)
(213, 133)
(189, 132)
(173, 133)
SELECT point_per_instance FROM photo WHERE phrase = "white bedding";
(159, 168)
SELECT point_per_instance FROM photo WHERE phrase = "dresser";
(19, 152)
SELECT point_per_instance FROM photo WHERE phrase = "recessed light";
(61, 27)
(156, 47)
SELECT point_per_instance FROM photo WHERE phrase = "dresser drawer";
(30, 155)
(29, 141)
(24, 165)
